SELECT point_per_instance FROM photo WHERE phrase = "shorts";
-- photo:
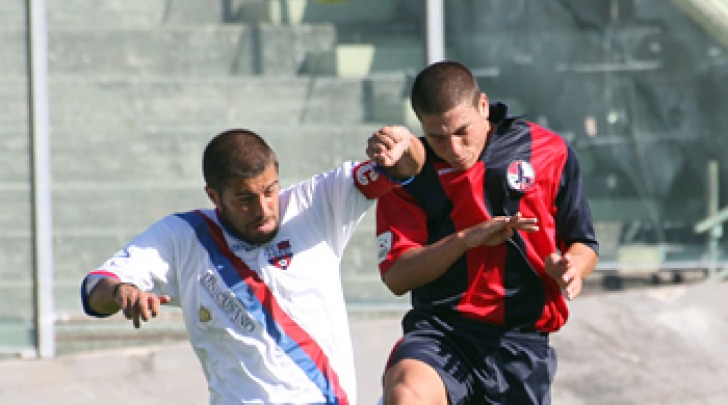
(511, 367)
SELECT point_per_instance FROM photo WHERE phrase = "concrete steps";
(294, 12)
(364, 59)
(12, 14)
(144, 103)
(132, 13)
(145, 13)
(163, 101)
(172, 50)
(94, 155)
(114, 14)
(137, 88)
(158, 103)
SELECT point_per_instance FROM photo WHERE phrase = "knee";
(413, 383)
(400, 393)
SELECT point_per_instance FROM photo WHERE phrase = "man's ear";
(484, 105)
(212, 195)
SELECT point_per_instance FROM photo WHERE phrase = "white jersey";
(267, 322)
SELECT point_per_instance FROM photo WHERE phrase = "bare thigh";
(411, 381)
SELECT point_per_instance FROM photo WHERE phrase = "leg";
(411, 381)
(428, 366)
(529, 366)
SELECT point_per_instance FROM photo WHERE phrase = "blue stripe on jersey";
(242, 290)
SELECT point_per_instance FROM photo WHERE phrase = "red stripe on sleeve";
(406, 227)
(104, 273)
(370, 182)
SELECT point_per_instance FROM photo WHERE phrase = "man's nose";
(262, 206)
(455, 144)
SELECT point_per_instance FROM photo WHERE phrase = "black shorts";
(512, 367)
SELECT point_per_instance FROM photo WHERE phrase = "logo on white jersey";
(227, 301)
(384, 241)
(520, 175)
(204, 314)
(280, 254)
(366, 173)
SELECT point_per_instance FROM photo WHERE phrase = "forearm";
(101, 298)
(421, 265)
(583, 258)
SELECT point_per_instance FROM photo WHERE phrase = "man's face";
(250, 206)
(458, 135)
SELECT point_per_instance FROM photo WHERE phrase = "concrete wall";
(137, 88)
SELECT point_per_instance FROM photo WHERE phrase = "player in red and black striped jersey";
(490, 239)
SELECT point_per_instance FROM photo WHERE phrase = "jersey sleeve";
(401, 225)
(145, 262)
(373, 181)
(339, 199)
(573, 215)
(328, 205)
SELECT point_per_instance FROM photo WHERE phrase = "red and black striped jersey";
(523, 168)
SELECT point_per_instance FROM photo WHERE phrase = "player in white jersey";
(258, 278)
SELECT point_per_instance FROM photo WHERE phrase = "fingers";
(156, 303)
(137, 305)
(377, 147)
(571, 278)
(382, 144)
(561, 269)
(573, 289)
(387, 145)
(519, 222)
(499, 229)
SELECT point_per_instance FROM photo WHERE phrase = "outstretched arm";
(397, 150)
(110, 295)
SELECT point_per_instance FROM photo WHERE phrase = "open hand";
(138, 305)
(561, 269)
(498, 230)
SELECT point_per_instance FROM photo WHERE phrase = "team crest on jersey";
(280, 254)
(385, 245)
(366, 173)
(520, 175)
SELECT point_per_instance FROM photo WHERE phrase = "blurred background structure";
(136, 88)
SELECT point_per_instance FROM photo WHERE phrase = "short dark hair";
(236, 153)
(442, 86)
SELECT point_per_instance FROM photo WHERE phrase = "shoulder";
(510, 126)
(320, 187)
(340, 174)
(545, 140)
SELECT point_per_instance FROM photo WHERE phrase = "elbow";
(397, 289)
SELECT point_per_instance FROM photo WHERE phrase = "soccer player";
(258, 277)
(497, 233)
